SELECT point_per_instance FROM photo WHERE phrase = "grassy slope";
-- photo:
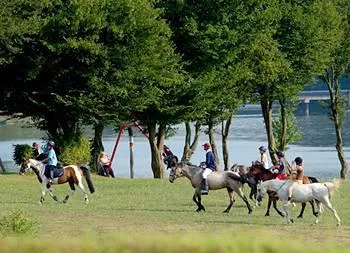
(147, 206)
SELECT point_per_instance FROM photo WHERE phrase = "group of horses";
(260, 181)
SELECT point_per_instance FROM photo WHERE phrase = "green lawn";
(146, 207)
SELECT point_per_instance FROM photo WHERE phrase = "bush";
(76, 152)
(22, 152)
(17, 223)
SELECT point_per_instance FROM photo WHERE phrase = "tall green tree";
(300, 39)
(337, 68)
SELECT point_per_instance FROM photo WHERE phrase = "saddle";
(58, 171)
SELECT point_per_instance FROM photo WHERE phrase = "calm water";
(247, 134)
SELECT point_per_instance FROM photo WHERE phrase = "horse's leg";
(194, 198)
(303, 205)
(319, 208)
(71, 192)
(81, 186)
(274, 201)
(231, 198)
(43, 191)
(285, 207)
(53, 196)
(330, 207)
(269, 202)
(240, 193)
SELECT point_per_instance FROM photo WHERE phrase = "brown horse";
(258, 172)
(71, 174)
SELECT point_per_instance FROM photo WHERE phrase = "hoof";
(300, 216)
(291, 221)
(267, 214)
(250, 211)
(226, 211)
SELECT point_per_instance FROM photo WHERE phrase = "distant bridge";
(306, 96)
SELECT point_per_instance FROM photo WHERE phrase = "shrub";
(17, 223)
(22, 152)
(76, 152)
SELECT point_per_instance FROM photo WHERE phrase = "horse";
(216, 180)
(71, 174)
(320, 192)
(258, 172)
(243, 171)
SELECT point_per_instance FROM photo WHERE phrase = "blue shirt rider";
(51, 160)
(209, 166)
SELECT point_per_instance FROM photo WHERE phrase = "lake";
(317, 147)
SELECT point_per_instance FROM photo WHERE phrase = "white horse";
(71, 174)
(320, 192)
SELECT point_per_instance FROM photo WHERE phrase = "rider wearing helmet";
(299, 174)
(208, 167)
(263, 157)
(280, 167)
(51, 160)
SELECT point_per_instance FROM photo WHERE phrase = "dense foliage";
(75, 63)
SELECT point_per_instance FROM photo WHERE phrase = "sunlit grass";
(144, 207)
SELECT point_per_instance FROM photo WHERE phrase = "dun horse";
(71, 174)
(216, 180)
(320, 192)
(258, 172)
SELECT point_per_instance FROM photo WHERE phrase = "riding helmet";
(262, 149)
(298, 160)
(206, 145)
(280, 154)
(51, 143)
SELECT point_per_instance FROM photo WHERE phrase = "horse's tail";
(87, 176)
(332, 186)
(313, 179)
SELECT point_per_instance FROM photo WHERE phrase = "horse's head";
(175, 172)
(256, 168)
(261, 191)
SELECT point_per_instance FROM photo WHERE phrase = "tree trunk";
(336, 109)
(189, 147)
(212, 143)
(156, 156)
(266, 108)
(225, 132)
(284, 129)
(97, 145)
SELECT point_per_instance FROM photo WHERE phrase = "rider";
(298, 171)
(208, 167)
(280, 167)
(263, 157)
(51, 160)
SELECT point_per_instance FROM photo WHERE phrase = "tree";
(210, 35)
(299, 45)
(338, 67)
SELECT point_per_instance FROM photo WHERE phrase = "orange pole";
(121, 129)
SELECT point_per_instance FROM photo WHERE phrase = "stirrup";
(204, 192)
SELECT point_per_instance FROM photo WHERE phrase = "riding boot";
(205, 187)
(51, 176)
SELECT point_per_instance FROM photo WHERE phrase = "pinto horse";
(258, 172)
(71, 174)
(216, 180)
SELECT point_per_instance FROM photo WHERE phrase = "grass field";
(127, 210)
